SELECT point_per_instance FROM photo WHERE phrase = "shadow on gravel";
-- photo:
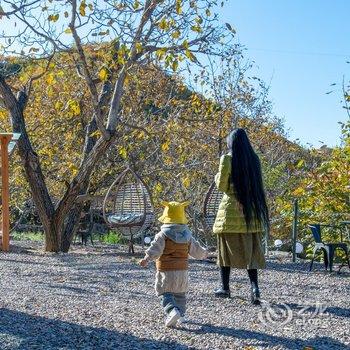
(23, 332)
(288, 266)
(303, 267)
(335, 310)
(18, 261)
(267, 340)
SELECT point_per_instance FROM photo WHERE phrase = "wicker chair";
(211, 205)
(128, 206)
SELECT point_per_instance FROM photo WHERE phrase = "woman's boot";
(224, 292)
(255, 292)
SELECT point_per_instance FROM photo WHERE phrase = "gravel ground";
(98, 298)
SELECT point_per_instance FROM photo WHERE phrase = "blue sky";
(302, 48)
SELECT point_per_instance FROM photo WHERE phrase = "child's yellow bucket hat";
(174, 213)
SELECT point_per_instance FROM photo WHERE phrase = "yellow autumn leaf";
(179, 7)
(158, 187)
(73, 168)
(53, 18)
(127, 80)
(163, 24)
(96, 133)
(176, 34)
(74, 107)
(175, 65)
(58, 105)
(165, 146)
(50, 79)
(123, 152)
(197, 28)
(185, 44)
(298, 191)
(190, 55)
(186, 182)
(160, 53)
(138, 47)
(103, 74)
(82, 8)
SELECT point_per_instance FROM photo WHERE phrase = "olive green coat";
(230, 217)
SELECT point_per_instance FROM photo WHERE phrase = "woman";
(242, 214)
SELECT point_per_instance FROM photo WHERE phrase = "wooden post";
(295, 229)
(5, 192)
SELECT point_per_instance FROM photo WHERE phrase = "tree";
(134, 32)
(168, 134)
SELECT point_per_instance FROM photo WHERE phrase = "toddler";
(171, 248)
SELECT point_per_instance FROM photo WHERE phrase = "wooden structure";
(128, 206)
(7, 145)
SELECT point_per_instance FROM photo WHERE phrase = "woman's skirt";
(241, 250)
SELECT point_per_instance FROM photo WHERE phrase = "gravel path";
(98, 298)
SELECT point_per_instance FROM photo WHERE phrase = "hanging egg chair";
(211, 206)
(127, 207)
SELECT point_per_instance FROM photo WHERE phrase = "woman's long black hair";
(246, 178)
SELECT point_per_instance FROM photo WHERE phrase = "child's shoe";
(173, 317)
(181, 320)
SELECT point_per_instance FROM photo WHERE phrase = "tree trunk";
(51, 238)
(59, 223)
(70, 227)
(72, 221)
(31, 164)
